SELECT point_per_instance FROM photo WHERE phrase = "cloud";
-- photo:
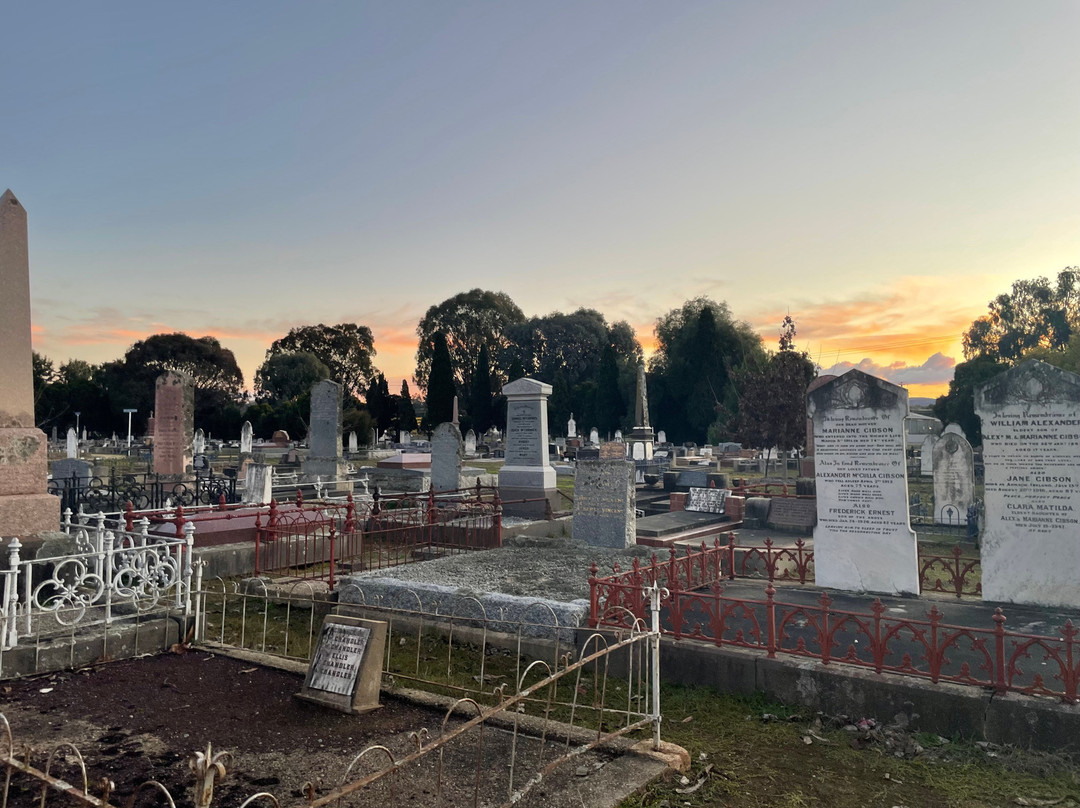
(936, 370)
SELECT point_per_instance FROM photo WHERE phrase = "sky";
(880, 171)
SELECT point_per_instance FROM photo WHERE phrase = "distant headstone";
(346, 668)
(405, 438)
(863, 541)
(594, 437)
(791, 513)
(661, 436)
(72, 468)
(72, 443)
(324, 433)
(604, 514)
(374, 437)
(174, 414)
(470, 443)
(447, 449)
(571, 427)
(354, 444)
(198, 442)
(706, 500)
(55, 437)
(280, 438)
(1031, 453)
(527, 471)
(618, 435)
(954, 477)
(926, 456)
(639, 451)
(246, 437)
(258, 484)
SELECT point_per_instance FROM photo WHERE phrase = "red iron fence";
(321, 540)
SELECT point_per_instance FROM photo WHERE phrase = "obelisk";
(25, 509)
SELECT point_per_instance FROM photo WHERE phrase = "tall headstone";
(447, 449)
(527, 472)
(594, 437)
(470, 443)
(926, 456)
(72, 442)
(324, 434)
(604, 513)
(571, 427)
(954, 477)
(246, 437)
(354, 443)
(1031, 452)
(198, 443)
(863, 540)
(174, 422)
(258, 484)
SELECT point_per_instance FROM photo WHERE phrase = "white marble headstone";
(354, 446)
(571, 427)
(594, 437)
(954, 477)
(198, 443)
(72, 443)
(246, 435)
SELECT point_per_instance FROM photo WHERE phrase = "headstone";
(527, 471)
(618, 436)
(198, 443)
(72, 468)
(174, 408)
(346, 668)
(454, 419)
(72, 442)
(792, 513)
(470, 443)
(447, 449)
(84, 434)
(324, 434)
(258, 484)
(863, 541)
(374, 437)
(55, 437)
(405, 438)
(246, 436)
(706, 500)
(1031, 454)
(661, 436)
(926, 456)
(639, 451)
(954, 477)
(354, 444)
(594, 437)
(604, 513)
(571, 427)
(280, 438)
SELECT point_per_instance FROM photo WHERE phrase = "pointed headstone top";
(526, 387)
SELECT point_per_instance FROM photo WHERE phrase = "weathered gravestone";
(1031, 452)
(246, 436)
(346, 668)
(258, 484)
(72, 443)
(792, 513)
(174, 415)
(604, 514)
(706, 500)
(198, 443)
(661, 436)
(527, 471)
(470, 443)
(71, 468)
(354, 444)
(594, 437)
(926, 456)
(447, 449)
(324, 435)
(571, 427)
(862, 541)
(954, 477)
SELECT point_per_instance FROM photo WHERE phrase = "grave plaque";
(174, 417)
(1031, 452)
(862, 541)
(706, 500)
(346, 669)
(791, 513)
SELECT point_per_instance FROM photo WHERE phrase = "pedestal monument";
(527, 472)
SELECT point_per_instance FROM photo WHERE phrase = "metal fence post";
(654, 667)
(10, 634)
(105, 557)
(183, 593)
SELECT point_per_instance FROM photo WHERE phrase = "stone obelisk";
(25, 509)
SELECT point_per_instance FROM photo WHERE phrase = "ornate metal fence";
(145, 491)
(103, 576)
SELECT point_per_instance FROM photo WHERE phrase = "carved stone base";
(27, 515)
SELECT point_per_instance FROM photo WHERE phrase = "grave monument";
(527, 472)
(324, 436)
(641, 437)
(954, 477)
(174, 422)
(1031, 452)
(447, 449)
(863, 541)
(604, 514)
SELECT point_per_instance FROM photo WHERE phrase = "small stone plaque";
(790, 513)
(706, 500)
(346, 669)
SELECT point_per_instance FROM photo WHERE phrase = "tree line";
(710, 378)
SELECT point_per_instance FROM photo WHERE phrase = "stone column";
(25, 509)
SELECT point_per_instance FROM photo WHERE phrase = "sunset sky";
(878, 170)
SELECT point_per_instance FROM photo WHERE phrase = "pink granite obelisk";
(25, 509)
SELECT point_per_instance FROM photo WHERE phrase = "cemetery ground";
(143, 718)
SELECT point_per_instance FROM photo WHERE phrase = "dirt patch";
(142, 719)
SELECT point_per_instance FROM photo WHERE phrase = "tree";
(380, 404)
(287, 376)
(346, 350)
(480, 393)
(690, 384)
(1035, 314)
(440, 389)
(406, 414)
(610, 404)
(466, 321)
(958, 406)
